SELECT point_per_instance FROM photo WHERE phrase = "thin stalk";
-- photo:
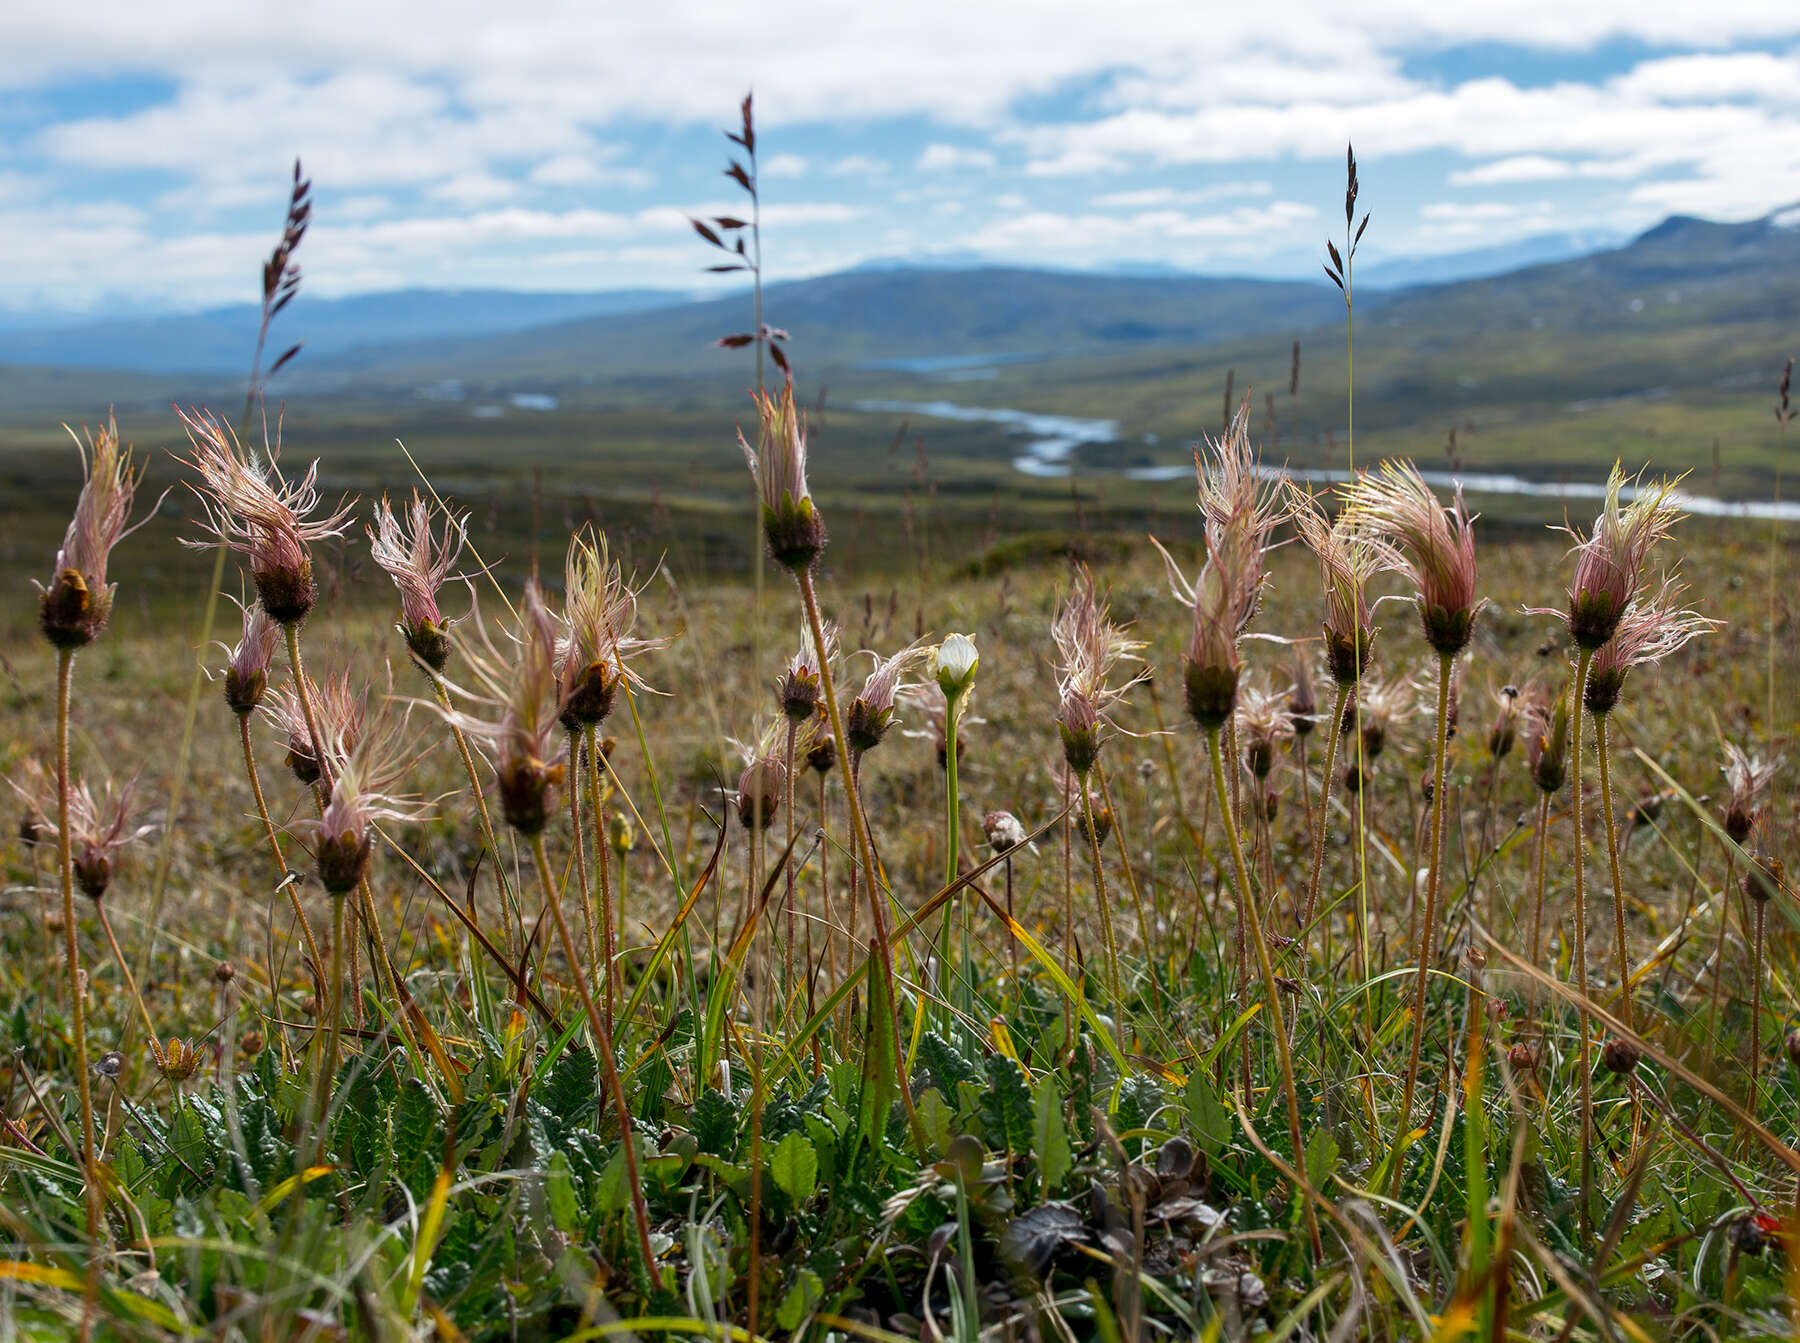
(788, 980)
(481, 807)
(334, 1030)
(859, 829)
(603, 1047)
(1586, 1062)
(1612, 854)
(1068, 909)
(1305, 780)
(1318, 859)
(281, 868)
(952, 847)
(1106, 922)
(96, 1195)
(1537, 901)
(1271, 990)
(1756, 965)
(1428, 934)
(130, 982)
(1718, 965)
(613, 982)
(1131, 881)
(578, 840)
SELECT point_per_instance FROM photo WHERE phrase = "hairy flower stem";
(1318, 858)
(1106, 921)
(1756, 967)
(611, 984)
(487, 824)
(1718, 964)
(1537, 899)
(603, 1047)
(1603, 755)
(281, 868)
(860, 831)
(334, 1008)
(1271, 990)
(578, 841)
(793, 926)
(1428, 934)
(130, 983)
(1585, 1063)
(65, 676)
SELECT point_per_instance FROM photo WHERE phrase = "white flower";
(953, 663)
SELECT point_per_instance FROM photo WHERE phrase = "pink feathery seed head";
(1748, 777)
(1212, 662)
(361, 796)
(764, 778)
(516, 706)
(261, 514)
(1003, 830)
(1653, 626)
(1609, 563)
(247, 664)
(340, 711)
(791, 524)
(1546, 722)
(1241, 505)
(1504, 731)
(419, 558)
(1348, 557)
(1431, 543)
(1078, 723)
(597, 648)
(799, 688)
(98, 829)
(1379, 707)
(73, 609)
(871, 713)
(1263, 725)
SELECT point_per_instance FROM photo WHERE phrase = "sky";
(145, 147)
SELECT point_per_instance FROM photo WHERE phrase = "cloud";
(859, 165)
(940, 158)
(1152, 196)
(1146, 233)
(1520, 168)
(784, 165)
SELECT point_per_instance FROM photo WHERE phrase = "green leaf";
(714, 1121)
(935, 1117)
(795, 1166)
(572, 1092)
(879, 1057)
(559, 1189)
(416, 1133)
(800, 1299)
(1006, 1106)
(1050, 1136)
(1321, 1157)
(1208, 1118)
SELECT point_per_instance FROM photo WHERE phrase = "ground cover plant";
(1335, 919)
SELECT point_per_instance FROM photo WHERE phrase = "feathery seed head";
(1748, 778)
(871, 713)
(1348, 557)
(791, 523)
(1078, 723)
(597, 648)
(419, 560)
(1089, 649)
(1432, 544)
(1653, 626)
(247, 668)
(1609, 563)
(763, 780)
(799, 688)
(1264, 724)
(73, 609)
(1302, 703)
(1241, 507)
(1003, 830)
(1546, 737)
(261, 514)
(99, 827)
(1504, 732)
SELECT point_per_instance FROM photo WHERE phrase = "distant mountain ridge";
(219, 340)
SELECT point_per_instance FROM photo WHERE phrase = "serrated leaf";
(800, 1299)
(572, 1092)
(415, 1126)
(1006, 1109)
(935, 1117)
(795, 1167)
(1321, 1157)
(1050, 1136)
(714, 1122)
(559, 1192)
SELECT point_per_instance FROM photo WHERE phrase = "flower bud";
(525, 785)
(759, 792)
(953, 664)
(93, 871)
(620, 836)
(1763, 879)
(1620, 1056)
(1003, 830)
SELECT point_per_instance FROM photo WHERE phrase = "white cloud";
(1147, 233)
(1147, 197)
(859, 165)
(1519, 168)
(940, 158)
(784, 165)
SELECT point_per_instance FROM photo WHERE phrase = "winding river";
(1048, 444)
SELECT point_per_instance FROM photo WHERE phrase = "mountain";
(869, 316)
(1480, 262)
(220, 340)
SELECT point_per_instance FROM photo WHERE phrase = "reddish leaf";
(1359, 230)
(749, 123)
(781, 360)
(734, 342)
(737, 174)
(720, 270)
(705, 232)
(1332, 276)
(727, 222)
(290, 353)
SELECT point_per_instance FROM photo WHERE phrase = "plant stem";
(612, 985)
(578, 840)
(1318, 860)
(1106, 922)
(860, 831)
(793, 927)
(1537, 902)
(65, 675)
(1271, 990)
(1718, 967)
(1756, 966)
(1579, 967)
(130, 982)
(334, 1007)
(1602, 754)
(281, 868)
(1428, 934)
(603, 1047)
(481, 807)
